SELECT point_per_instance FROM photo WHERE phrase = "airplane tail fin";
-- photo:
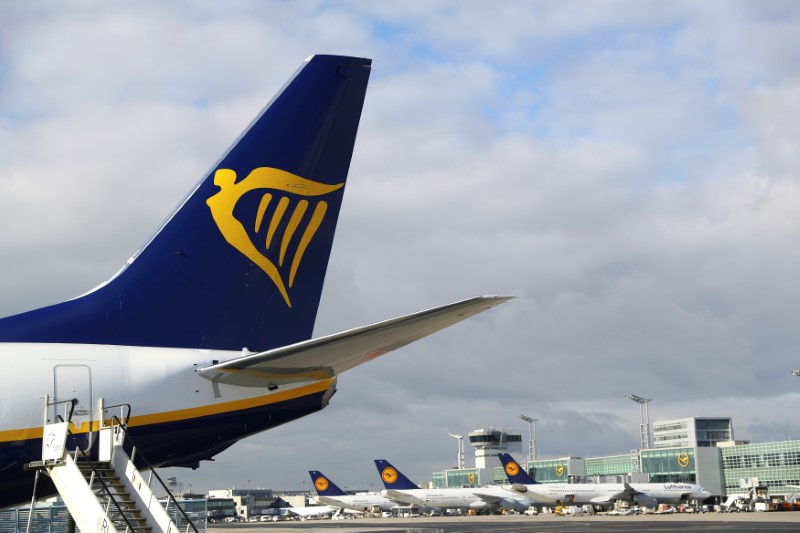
(323, 485)
(241, 261)
(514, 472)
(392, 478)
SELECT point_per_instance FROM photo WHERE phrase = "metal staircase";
(101, 486)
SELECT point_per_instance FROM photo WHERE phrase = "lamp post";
(460, 460)
(645, 425)
(532, 434)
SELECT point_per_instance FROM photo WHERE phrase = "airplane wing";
(402, 497)
(311, 510)
(332, 502)
(495, 498)
(326, 357)
(626, 493)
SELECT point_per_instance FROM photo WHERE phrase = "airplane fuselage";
(176, 415)
(572, 493)
(358, 502)
(603, 493)
(460, 498)
(672, 492)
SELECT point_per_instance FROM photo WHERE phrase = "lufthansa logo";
(559, 470)
(389, 475)
(321, 484)
(512, 468)
(683, 459)
(285, 201)
(471, 477)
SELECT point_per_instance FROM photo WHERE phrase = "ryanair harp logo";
(321, 484)
(287, 198)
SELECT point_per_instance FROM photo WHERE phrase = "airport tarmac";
(788, 522)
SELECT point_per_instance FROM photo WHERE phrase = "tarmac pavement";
(772, 522)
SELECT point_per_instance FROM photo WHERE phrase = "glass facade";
(669, 465)
(710, 431)
(494, 438)
(555, 471)
(775, 464)
(612, 465)
(547, 471)
(702, 432)
(467, 477)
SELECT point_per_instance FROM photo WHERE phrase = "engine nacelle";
(482, 506)
(645, 500)
(519, 487)
(511, 504)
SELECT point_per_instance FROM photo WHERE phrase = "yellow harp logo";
(286, 197)
(321, 484)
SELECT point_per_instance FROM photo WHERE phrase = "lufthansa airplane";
(483, 499)
(644, 494)
(329, 493)
(206, 331)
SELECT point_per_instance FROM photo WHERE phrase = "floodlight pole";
(460, 460)
(644, 427)
(532, 434)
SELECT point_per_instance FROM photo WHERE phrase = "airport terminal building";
(699, 450)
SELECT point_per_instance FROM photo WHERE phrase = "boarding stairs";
(102, 488)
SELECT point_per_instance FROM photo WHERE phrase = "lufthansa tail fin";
(241, 261)
(392, 478)
(514, 472)
(323, 485)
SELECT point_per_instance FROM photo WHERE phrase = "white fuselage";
(573, 493)
(460, 498)
(160, 385)
(672, 492)
(598, 493)
(359, 502)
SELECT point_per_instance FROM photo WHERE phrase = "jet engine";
(510, 504)
(645, 500)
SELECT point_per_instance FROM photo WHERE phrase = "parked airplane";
(205, 333)
(644, 494)
(330, 494)
(485, 499)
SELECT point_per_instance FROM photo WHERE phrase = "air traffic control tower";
(488, 442)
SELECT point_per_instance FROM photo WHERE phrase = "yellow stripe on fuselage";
(183, 414)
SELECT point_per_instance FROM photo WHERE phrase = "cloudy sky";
(628, 170)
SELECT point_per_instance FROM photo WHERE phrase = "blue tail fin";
(514, 472)
(241, 262)
(392, 478)
(323, 485)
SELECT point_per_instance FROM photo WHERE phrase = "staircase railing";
(96, 476)
(171, 500)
